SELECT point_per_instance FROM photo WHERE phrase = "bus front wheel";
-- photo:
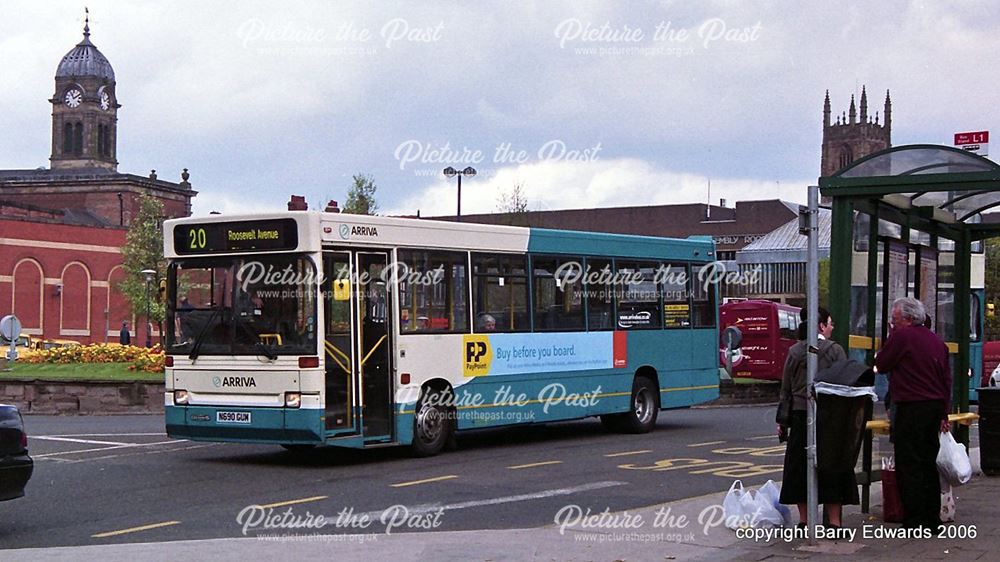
(432, 426)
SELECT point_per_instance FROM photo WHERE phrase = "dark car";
(15, 464)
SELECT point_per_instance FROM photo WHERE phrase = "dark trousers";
(915, 435)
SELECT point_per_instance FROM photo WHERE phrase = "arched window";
(78, 139)
(67, 145)
(74, 300)
(27, 302)
(846, 157)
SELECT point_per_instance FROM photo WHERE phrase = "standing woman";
(835, 489)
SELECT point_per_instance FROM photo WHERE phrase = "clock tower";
(84, 110)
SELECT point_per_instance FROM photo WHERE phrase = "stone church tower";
(84, 110)
(851, 138)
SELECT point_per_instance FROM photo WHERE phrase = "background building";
(62, 228)
(852, 137)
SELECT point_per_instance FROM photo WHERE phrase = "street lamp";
(150, 274)
(450, 172)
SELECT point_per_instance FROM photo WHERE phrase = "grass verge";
(84, 372)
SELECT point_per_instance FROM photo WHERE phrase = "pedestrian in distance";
(916, 363)
(124, 337)
(835, 488)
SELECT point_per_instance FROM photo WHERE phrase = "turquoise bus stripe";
(541, 240)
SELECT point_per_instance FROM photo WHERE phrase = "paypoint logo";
(477, 355)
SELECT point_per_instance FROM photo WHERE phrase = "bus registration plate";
(232, 417)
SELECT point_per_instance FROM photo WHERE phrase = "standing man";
(916, 361)
(124, 337)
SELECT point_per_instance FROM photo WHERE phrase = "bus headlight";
(293, 399)
(181, 397)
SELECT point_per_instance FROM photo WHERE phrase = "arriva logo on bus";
(347, 231)
(233, 382)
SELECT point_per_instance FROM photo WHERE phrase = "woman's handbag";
(784, 414)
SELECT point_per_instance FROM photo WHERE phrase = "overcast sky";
(582, 103)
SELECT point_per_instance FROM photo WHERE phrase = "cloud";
(261, 100)
(618, 182)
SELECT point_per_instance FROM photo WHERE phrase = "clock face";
(74, 97)
(105, 101)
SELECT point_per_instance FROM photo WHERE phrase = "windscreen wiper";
(257, 343)
(201, 335)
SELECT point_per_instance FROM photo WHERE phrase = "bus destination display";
(240, 236)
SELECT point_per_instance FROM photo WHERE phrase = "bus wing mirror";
(733, 337)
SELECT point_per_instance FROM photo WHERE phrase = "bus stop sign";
(10, 327)
(10, 330)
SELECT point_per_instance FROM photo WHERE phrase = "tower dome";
(85, 60)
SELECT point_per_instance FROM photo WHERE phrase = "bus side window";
(600, 299)
(433, 291)
(558, 298)
(500, 290)
(639, 298)
(703, 302)
(676, 310)
(787, 324)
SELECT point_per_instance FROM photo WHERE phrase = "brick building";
(62, 228)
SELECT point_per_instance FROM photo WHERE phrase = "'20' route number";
(197, 238)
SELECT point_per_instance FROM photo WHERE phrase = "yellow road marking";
(293, 502)
(627, 453)
(705, 444)
(424, 481)
(761, 437)
(135, 529)
(534, 464)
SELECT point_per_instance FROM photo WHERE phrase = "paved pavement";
(681, 530)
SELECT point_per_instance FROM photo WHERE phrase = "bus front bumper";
(245, 424)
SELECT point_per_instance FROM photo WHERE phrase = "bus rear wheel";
(432, 424)
(641, 417)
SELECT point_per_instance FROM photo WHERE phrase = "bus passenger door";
(374, 344)
(339, 349)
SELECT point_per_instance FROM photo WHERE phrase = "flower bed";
(150, 360)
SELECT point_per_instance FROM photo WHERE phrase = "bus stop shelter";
(908, 221)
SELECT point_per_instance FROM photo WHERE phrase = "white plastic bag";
(845, 391)
(952, 461)
(947, 514)
(742, 508)
(732, 506)
(772, 494)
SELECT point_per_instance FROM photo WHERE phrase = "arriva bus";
(306, 328)
(768, 328)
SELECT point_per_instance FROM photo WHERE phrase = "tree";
(992, 327)
(361, 196)
(824, 284)
(513, 204)
(144, 250)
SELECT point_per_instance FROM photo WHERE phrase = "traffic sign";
(10, 327)
(977, 142)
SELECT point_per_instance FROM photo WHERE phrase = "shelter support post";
(960, 384)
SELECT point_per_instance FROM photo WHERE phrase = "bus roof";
(316, 229)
